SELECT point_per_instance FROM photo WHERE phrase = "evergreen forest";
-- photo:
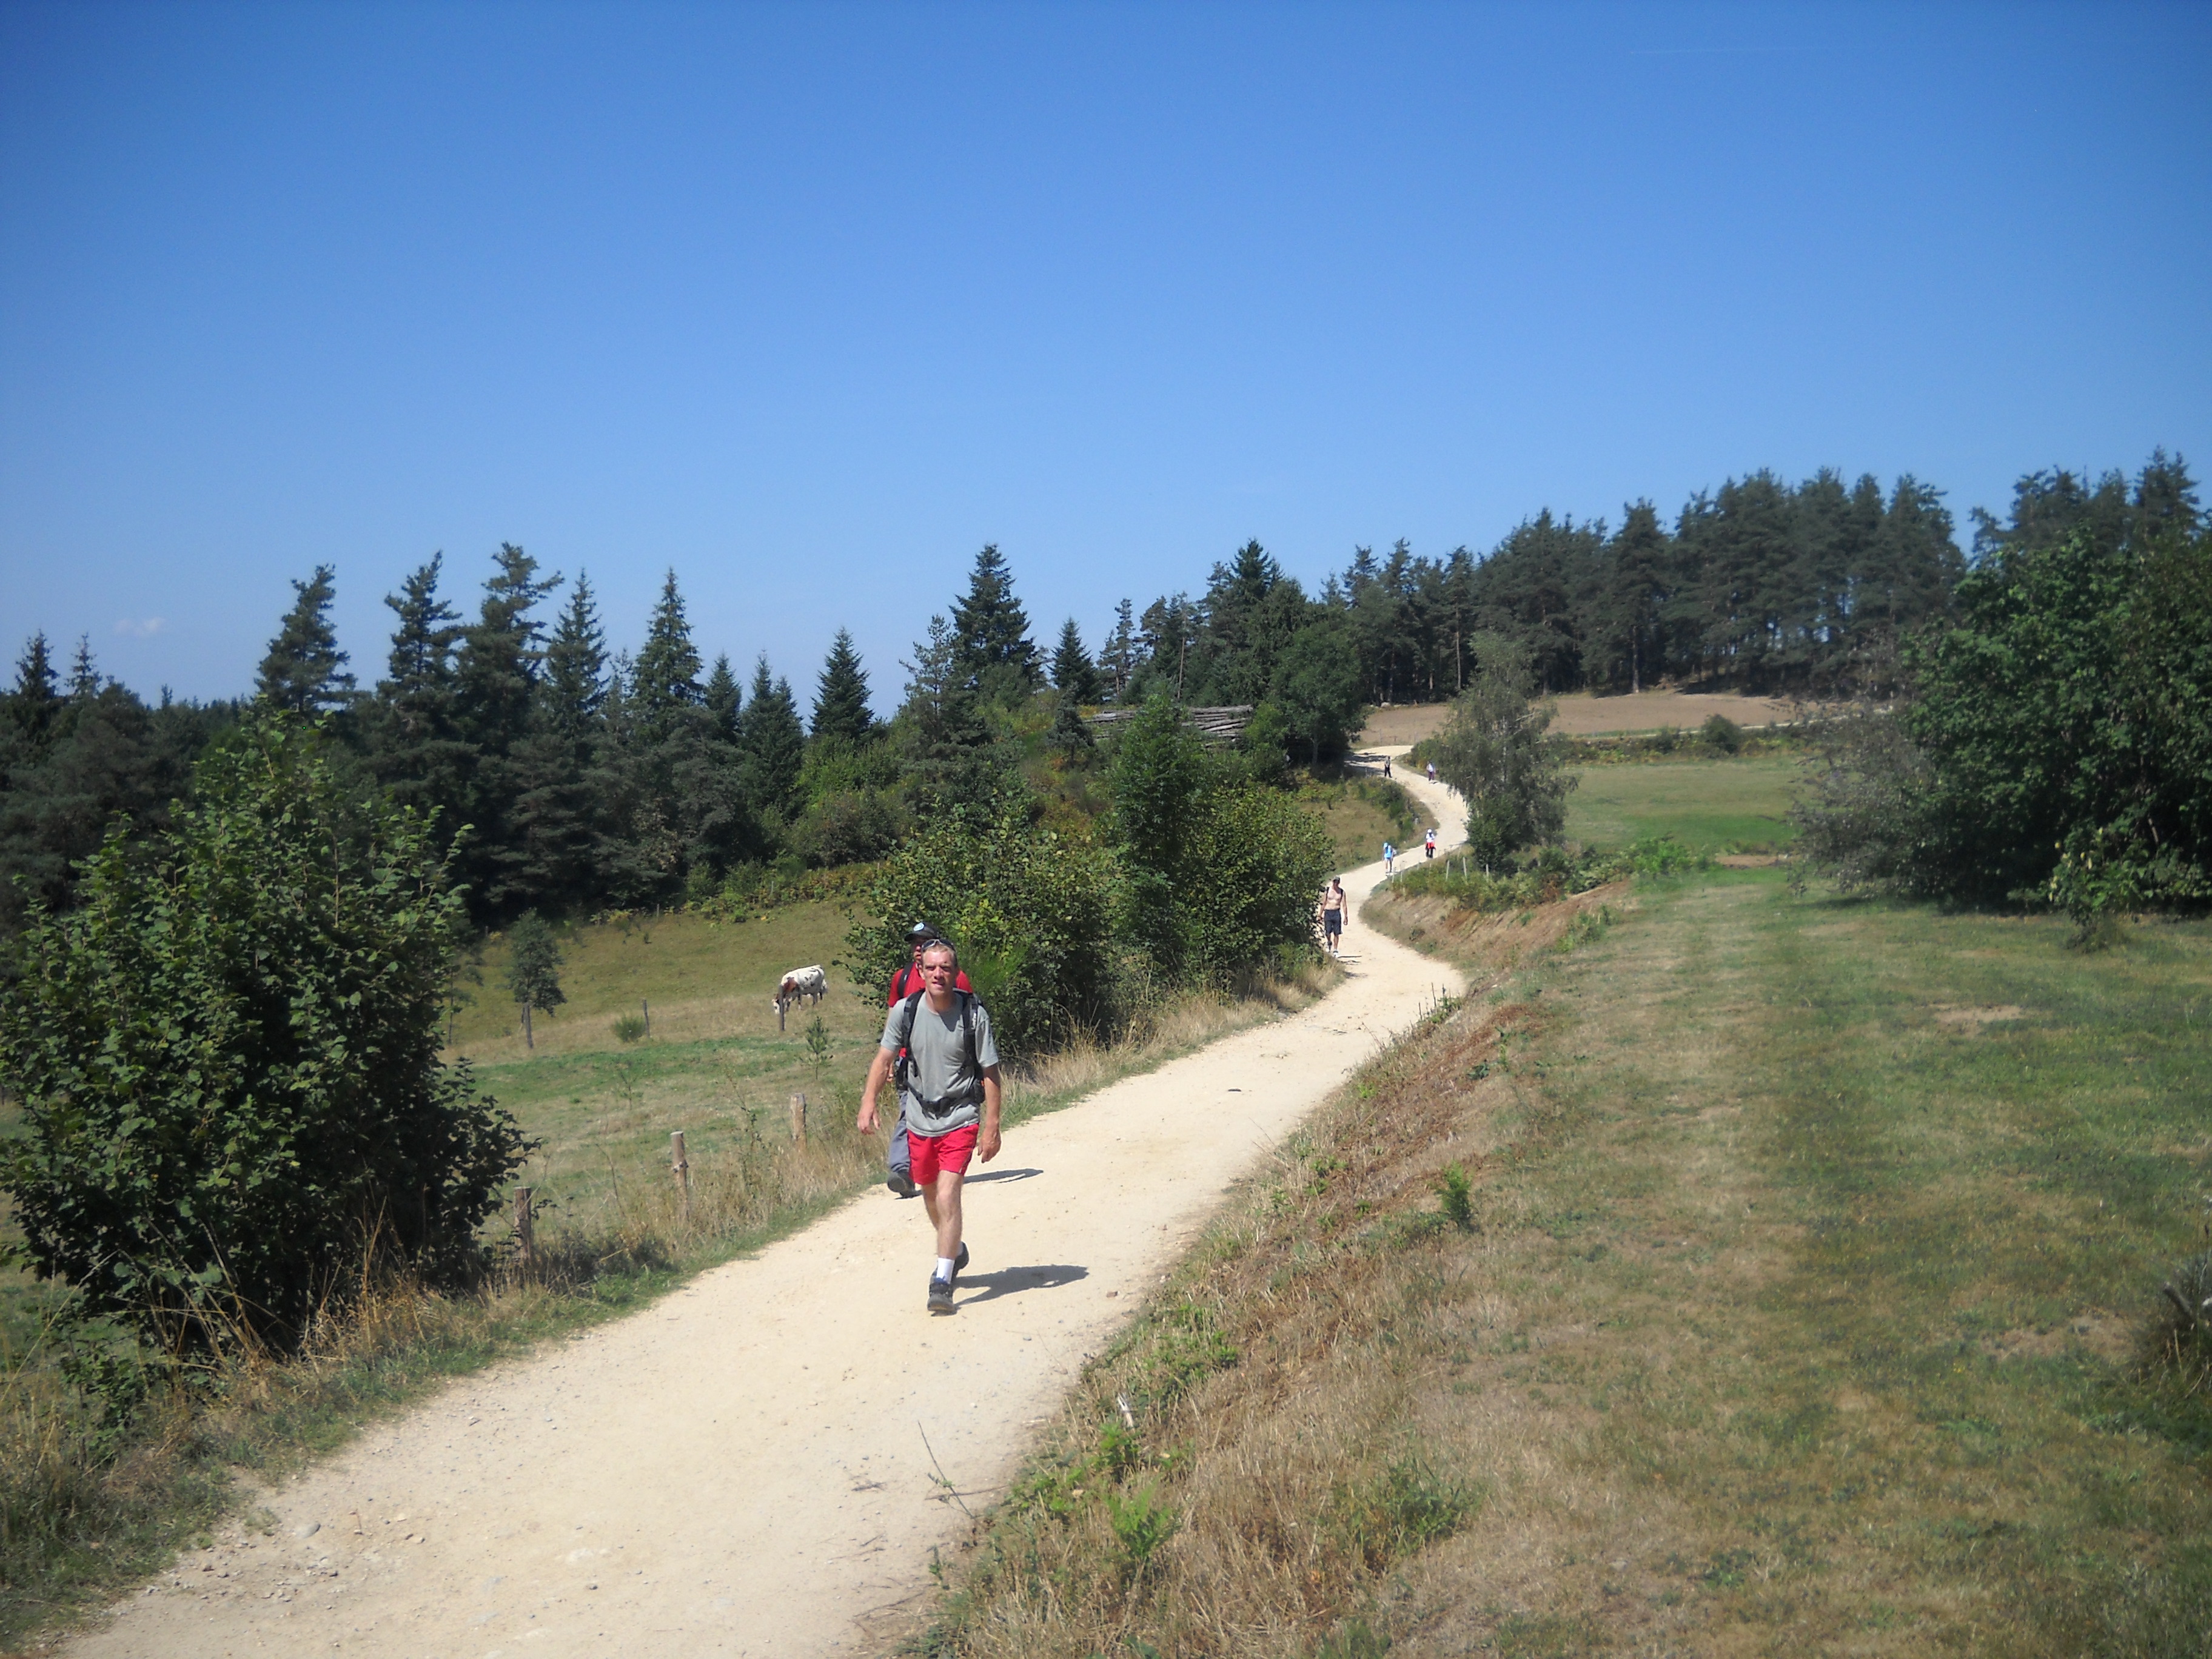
(570, 775)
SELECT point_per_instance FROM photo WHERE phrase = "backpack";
(905, 1067)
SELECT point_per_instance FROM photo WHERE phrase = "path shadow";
(1000, 1175)
(1012, 1281)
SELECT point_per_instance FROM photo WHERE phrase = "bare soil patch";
(1975, 1019)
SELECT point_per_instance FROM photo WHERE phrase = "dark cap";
(919, 932)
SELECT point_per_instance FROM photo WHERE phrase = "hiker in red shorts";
(948, 1090)
(898, 1161)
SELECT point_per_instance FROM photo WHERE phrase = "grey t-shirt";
(940, 1064)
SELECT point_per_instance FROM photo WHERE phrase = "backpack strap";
(967, 1039)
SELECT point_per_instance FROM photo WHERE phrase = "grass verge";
(1809, 1300)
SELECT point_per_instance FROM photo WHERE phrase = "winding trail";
(740, 1469)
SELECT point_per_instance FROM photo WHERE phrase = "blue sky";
(810, 302)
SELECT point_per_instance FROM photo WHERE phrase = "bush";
(1028, 908)
(227, 1061)
(1256, 861)
(1495, 753)
(2056, 746)
(1721, 734)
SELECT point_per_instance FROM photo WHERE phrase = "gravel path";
(740, 1470)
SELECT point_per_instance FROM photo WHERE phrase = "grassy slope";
(715, 1066)
(1715, 806)
(1802, 1317)
(1818, 1262)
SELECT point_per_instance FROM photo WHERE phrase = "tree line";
(2052, 745)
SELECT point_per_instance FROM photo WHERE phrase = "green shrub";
(1142, 1522)
(1255, 861)
(1456, 1194)
(1721, 734)
(1028, 908)
(2056, 747)
(629, 1028)
(227, 1061)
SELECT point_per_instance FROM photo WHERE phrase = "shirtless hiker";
(949, 1089)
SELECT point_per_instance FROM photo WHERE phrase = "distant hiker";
(1432, 771)
(1429, 843)
(1332, 914)
(938, 1043)
(1390, 859)
(904, 983)
(1386, 766)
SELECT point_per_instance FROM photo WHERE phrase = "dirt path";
(740, 1469)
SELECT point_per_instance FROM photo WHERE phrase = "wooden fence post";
(645, 1004)
(799, 1120)
(682, 1165)
(525, 1239)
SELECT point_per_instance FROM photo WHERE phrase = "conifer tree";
(555, 818)
(666, 678)
(992, 630)
(84, 672)
(1072, 673)
(772, 746)
(302, 673)
(496, 668)
(841, 697)
(1118, 659)
(723, 698)
(574, 692)
(36, 701)
(417, 749)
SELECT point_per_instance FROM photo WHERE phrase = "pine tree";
(496, 669)
(841, 697)
(417, 750)
(1118, 659)
(555, 818)
(496, 672)
(1073, 673)
(948, 743)
(772, 747)
(992, 630)
(666, 680)
(723, 699)
(574, 692)
(84, 673)
(36, 701)
(302, 672)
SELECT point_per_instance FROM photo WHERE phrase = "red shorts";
(949, 1151)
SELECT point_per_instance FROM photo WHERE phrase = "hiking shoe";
(960, 1262)
(940, 1296)
(903, 1187)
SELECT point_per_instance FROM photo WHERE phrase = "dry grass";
(1795, 1318)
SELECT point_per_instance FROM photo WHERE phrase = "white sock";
(945, 1267)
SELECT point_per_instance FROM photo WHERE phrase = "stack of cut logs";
(1222, 725)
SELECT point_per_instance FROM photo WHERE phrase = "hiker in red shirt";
(904, 984)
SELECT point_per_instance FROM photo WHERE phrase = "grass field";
(715, 1067)
(1816, 1259)
(1713, 805)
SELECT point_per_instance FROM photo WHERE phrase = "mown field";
(1714, 806)
(1810, 1301)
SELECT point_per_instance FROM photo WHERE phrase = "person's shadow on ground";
(1000, 1175)
(1012, 1281)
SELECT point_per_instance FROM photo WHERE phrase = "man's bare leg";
(943, 1198)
